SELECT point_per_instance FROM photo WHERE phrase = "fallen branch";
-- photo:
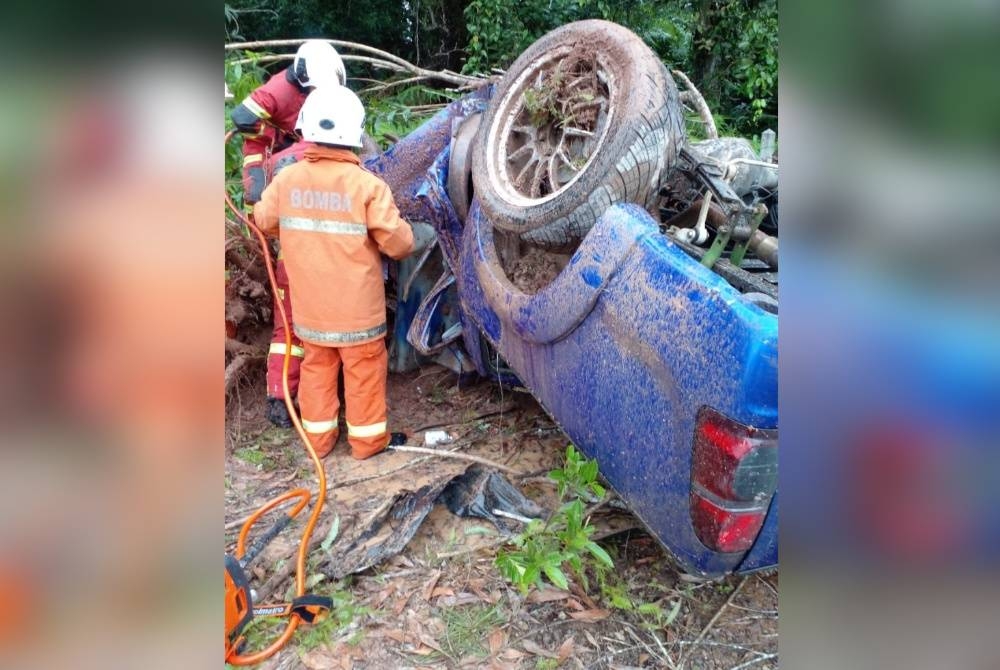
(708, 626)
(418, 109)
(755, 661)
(459, 456)
(230, 525)
(275, 58)
(665, 658)
(471, 550)
(423, 75)
(382, 59)
(279, 577)
(383, 86)
(340, 44)
(694, 96)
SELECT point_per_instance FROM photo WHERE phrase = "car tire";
(585, 118)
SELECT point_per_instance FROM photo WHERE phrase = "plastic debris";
(487, 494)
(433, 438)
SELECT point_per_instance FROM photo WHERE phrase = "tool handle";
(265, 539)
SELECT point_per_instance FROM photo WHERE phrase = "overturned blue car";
(625, 277)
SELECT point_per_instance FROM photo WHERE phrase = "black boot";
(397, 439)
(277, 413)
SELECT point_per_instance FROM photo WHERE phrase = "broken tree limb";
(382, 59)
(694, 96)
(383, 86)
(708, 626)
(470, 550)
(231, 525)
(341, 44)
(274, 58)
(453, 454)
(282, 574)
(424, 75)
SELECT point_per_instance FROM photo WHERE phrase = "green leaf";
(651, 609)
(672, 614)
(530, 576)
(599, 553)
(557, 577)
(621, 601)
(331, 536)
(575, 512)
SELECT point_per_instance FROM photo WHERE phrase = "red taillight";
(723, 529)
(734, 473)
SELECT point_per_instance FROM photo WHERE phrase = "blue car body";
(622, 349)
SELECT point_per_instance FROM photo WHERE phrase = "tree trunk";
(704, 59)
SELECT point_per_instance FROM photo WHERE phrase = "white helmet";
(317, 63)
(332, 115)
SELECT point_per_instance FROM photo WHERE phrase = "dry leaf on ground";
(320, 658)
(591, 615)
(546, 595)
(497, 640)
(565, 649)
(533, 648)
(428, 589)
(440, 591)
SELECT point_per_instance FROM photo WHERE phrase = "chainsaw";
(240, 609)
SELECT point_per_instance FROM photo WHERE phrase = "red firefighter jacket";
(274, 107)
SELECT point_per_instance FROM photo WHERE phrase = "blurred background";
(889, 356)
(112, 395)
(111, 466)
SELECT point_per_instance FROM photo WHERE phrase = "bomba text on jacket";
(330, 201)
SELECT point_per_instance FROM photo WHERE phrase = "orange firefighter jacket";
(334, 218)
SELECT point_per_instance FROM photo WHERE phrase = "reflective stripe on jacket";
(334, 218)
(276, 104)
(277, 101)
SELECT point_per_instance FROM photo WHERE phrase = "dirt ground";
(440, 602)
(536, 269)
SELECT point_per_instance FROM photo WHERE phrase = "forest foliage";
(729, 48)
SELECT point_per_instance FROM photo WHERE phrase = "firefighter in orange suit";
(333, 219)
(266, 118)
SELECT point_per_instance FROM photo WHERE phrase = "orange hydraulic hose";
(300, 566)
(304, 494)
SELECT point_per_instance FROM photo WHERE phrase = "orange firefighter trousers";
(365, 369)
